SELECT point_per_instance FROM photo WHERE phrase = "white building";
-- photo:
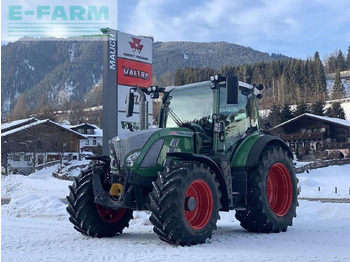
(94, 136)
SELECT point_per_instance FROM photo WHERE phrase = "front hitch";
(101, 197)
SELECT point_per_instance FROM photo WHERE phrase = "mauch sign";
(127, 63)
(134, 68)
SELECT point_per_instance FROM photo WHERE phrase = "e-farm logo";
(60, 13)
(66, 19)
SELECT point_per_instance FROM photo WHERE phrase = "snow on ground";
(40, 183)
(323, 183)
(35, 227)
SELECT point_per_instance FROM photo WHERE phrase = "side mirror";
(130, 104)
(232, 89)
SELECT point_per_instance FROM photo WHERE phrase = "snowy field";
(35, 227)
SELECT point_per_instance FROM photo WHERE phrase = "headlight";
(130, 160)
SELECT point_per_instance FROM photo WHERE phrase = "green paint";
(241, 156)
(185, 144)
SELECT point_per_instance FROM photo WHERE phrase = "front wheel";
(185, 204)
(90, 218)
(272, 193)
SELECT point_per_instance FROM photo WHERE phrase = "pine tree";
(309, 79)
(275, 115)
(332, 64)
(179, 77)
(286, 113)
(340, 60)
(320, 78)
(335, 110)
(302, 108)
(338, 87)
(317, 108)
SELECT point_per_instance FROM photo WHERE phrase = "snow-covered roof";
(38, 122)
(84, 124)
(13, 124)
(98, 132)
(332, 120)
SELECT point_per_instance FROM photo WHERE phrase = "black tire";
(185, 204)
(272, 193)
(92, 219)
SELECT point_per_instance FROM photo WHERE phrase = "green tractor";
(209, 154)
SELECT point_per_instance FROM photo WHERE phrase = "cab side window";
(235, 117)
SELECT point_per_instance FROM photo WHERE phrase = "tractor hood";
(125, 143)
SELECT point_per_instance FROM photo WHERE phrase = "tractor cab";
(219, 113)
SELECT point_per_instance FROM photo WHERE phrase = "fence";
(322, 163)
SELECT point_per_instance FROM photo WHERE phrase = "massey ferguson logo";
(135, 44)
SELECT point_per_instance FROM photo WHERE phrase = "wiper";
(174, 117)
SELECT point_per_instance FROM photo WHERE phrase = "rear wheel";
(90, 218)
(272, 193)
(185, 204)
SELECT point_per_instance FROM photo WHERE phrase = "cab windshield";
(189, 104)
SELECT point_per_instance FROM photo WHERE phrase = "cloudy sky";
(296, 28)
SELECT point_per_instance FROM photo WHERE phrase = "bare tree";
(76, 115)
(21, 109)
(6, 153)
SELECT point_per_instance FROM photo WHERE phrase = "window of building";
(87, 142)
(90, 131)
(16, 157)
(26, 157)
(292, 146)
(81, 130)
(94, 142)
(299, 145)
(307, 144)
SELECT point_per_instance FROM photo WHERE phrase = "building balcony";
(344, 145)
(315, 136)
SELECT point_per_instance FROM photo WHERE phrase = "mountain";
(57, 70)
(61, 70)
(169, 56)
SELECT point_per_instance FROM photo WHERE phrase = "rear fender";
(260, 144)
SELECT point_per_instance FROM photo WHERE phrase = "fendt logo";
(135, 44)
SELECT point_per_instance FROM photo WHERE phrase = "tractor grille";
(131, 142)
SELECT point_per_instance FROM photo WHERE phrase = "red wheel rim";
(200, 216)
(279, 189)
(110, 215)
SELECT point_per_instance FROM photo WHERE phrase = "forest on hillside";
(286, 82)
